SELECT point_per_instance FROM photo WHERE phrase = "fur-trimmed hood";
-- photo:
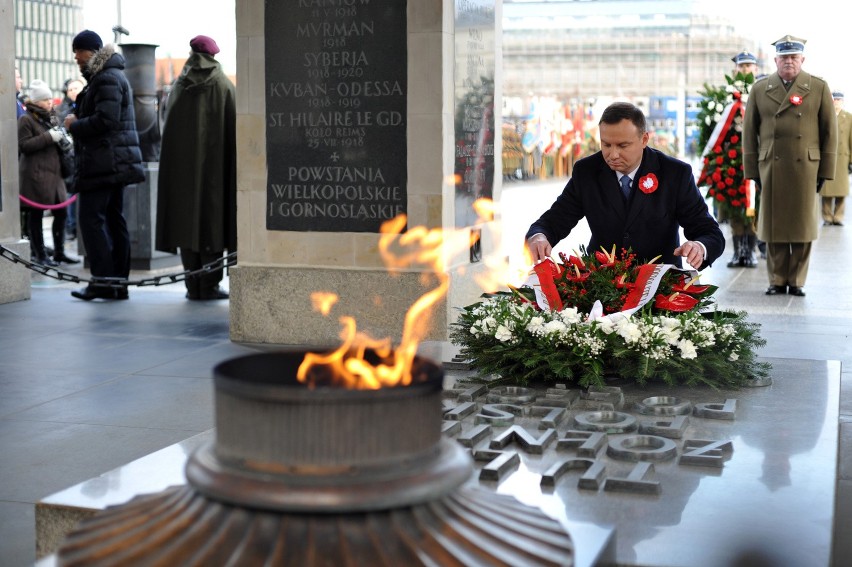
(105, 57)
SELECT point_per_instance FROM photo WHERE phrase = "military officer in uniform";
(835, 191)
(743, 228)
(790, 149)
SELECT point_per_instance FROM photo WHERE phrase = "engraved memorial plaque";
(474, 106)
(336, 79)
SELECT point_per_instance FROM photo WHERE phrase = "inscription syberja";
(336, 76)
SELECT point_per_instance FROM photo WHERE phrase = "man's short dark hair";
(618, 111)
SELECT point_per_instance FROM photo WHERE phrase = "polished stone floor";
(88, 387)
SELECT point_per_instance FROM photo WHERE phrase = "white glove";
(55, 135)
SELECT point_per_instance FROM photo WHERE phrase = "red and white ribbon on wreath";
(542, 280)
(723, 125)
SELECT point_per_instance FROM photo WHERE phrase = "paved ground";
(87, 387)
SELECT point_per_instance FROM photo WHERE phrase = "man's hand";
(69, 120)
(692, 251)
(820, 182)
(539, 247)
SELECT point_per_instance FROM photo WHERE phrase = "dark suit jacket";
(649, 224)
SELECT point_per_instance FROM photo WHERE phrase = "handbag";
(66, 163)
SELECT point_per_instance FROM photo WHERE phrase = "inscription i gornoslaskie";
(336, 79)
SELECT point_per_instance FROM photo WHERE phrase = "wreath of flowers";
(722, 171)
(679, 337)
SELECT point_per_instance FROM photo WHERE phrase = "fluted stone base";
(15, 279)
(272, 304)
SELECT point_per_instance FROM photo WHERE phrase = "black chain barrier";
(220, 264)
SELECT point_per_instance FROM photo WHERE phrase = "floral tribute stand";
(591, 317)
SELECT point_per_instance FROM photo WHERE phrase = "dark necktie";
(625, 186)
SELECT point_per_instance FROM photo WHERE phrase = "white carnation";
(503, 334)
(555, 327)
(687, 349)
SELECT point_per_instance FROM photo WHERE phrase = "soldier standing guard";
(733, 196)
(834, 192)
(789, 149)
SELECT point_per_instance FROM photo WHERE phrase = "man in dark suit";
(643, 212)
(790, 149)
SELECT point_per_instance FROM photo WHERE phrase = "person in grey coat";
(789, 148)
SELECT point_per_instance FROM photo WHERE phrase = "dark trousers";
(34, 222)
(206, 282)
(104, 231)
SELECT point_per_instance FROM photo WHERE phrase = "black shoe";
(827, 223)
(89, 293)
(837, 223)
(63, 258)
(776, 290)
(213, 294)
(797, 291)
(121, 293)
(46, 261)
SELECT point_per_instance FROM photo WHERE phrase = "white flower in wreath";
(670, 330)
(488, 323)
(687, 349)
(536, 326)
(606, 325)
(503, 334)
(629, 331)
(571, 316)
(554, 326)
(733, 356)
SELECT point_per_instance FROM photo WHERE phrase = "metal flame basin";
(284, 446)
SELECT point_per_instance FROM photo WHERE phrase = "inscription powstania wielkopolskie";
(336, 77)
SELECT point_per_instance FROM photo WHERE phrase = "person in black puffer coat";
(106, 146)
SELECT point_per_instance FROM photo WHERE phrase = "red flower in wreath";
(648, 184)
(796, 100)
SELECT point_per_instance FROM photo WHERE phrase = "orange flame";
(418, 246)
(323, 301)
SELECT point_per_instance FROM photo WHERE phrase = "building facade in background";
(44, 30)
(578, 56)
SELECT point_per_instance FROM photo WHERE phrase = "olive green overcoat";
(839, 186)
(789, 141)
(197, 188)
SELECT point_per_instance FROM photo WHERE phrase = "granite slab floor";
(88, 387)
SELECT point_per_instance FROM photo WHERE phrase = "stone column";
(14, 279)
(348, 113)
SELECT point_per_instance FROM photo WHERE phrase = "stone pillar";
(347, 113)
(14, 279)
